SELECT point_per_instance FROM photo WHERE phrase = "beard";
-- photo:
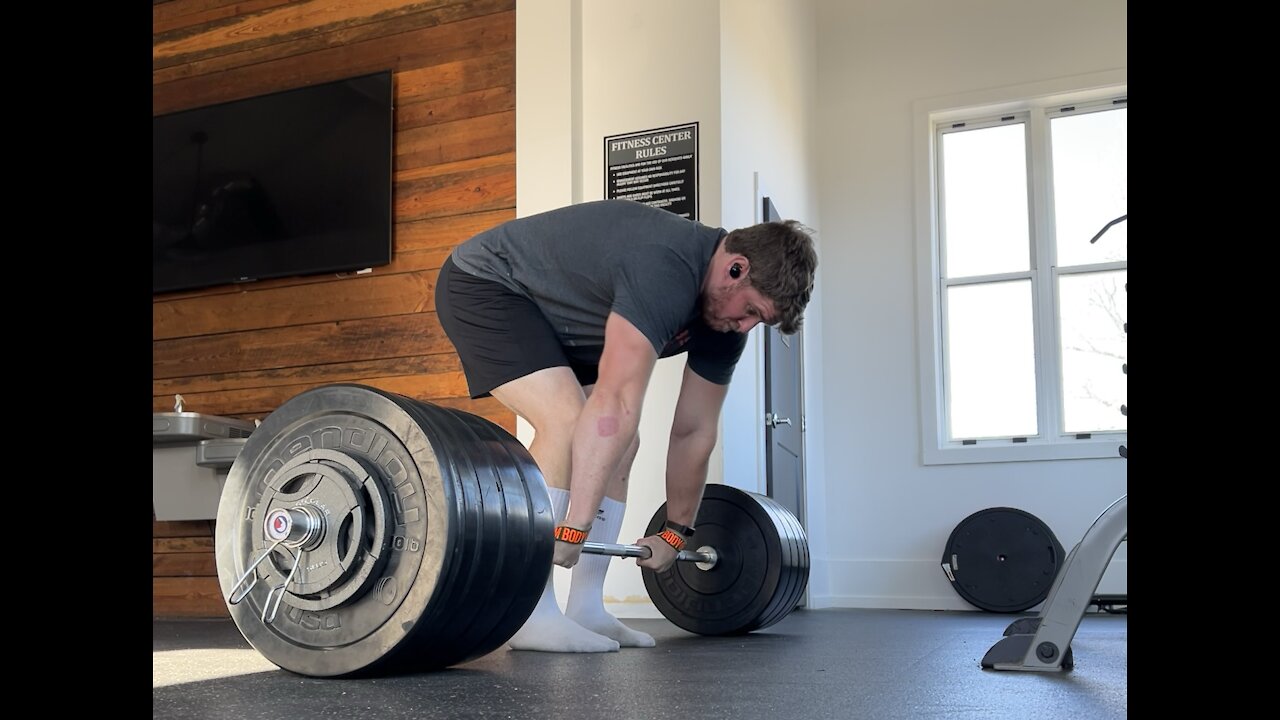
(713, 304)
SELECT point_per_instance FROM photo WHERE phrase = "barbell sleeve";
(703, 555)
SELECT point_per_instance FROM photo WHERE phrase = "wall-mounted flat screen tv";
(297, 182)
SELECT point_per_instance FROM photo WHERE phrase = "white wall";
(768, 91)
(597, 69)
(889, 516)
(831, 142)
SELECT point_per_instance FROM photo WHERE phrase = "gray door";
(784, 411)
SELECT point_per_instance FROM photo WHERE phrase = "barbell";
(360, 531)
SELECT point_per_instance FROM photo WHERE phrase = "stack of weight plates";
(760, 573)
(434, 540)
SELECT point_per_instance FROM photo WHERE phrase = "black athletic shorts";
(500, 335)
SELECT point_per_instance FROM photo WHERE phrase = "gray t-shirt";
(581, 262)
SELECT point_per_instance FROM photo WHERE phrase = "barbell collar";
(704, 556)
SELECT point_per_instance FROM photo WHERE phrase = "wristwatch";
(684, 530)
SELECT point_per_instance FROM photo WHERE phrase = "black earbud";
(735, 271)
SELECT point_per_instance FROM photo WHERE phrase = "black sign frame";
(657, 167)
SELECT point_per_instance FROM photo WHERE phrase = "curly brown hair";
(783, 262)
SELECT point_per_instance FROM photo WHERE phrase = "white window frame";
(927, 115)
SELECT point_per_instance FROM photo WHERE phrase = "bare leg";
(586, 589)
(551, 400)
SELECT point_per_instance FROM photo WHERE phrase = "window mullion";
(942, 373)
(1044, 279)
(1092, 268)
(986, 279)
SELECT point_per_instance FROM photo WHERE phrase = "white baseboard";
(622, 610)
(918, 585)
(853, 581)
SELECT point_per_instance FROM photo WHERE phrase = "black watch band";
(684, 530)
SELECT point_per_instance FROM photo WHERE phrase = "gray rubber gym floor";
(831, 663)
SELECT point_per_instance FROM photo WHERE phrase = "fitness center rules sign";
(656, 167)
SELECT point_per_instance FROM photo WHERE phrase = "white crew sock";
(586, 589)
(547, 629)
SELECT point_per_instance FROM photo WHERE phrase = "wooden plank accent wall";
(242, 350)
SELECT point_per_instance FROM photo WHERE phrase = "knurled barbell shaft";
(707, 555)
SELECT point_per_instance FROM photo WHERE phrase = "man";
(562, 317)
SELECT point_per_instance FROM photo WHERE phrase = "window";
(1023, 238)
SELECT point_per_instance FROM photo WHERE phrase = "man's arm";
(693, 436)
(608, 423)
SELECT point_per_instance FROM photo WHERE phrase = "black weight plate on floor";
(1003, 559)
(511, 534)
(438, 512)
(521, 571)
(436, 642)
(761, 572)
(795, 563)
(364, 424)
